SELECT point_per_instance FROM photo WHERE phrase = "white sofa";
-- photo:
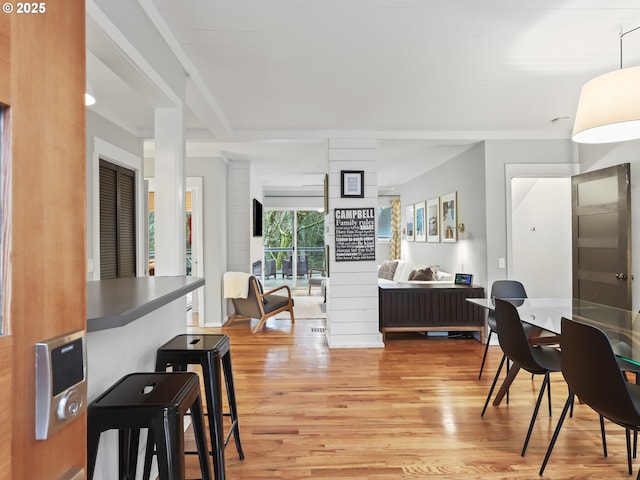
(404, 269)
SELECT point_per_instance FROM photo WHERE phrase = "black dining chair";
(500, 289)
(537, 360)
(592, 372)
(632, 368)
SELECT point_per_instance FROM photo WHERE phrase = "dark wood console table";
(408, 307)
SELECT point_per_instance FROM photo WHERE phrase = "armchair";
(262, 305)
(318, 280)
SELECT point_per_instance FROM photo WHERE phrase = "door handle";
(621, 276)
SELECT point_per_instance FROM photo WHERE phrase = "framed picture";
(449, 217)
(352, 183)
(420, 223)
(433, 220)
(409, 222)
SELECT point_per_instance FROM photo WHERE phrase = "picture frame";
(433, 220)
(409, 219)
(352, 184)
(420, 221)
(449, 217)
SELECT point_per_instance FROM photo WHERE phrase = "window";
(117, 221)
(293, 233)
(384, 223)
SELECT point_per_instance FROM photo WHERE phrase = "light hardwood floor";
(410, 410)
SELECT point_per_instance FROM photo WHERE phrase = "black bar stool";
(208, 351)
(157, 401)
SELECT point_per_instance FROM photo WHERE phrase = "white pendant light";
(609, 106)
(89, 98)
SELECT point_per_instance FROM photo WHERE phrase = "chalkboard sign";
(355, 234)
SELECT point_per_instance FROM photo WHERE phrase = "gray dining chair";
(538, 360)
(500, 289)
(592, 372)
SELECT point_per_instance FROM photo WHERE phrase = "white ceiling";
(427, 78)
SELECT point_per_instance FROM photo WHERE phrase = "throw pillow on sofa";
(387, 269)
(425, 274)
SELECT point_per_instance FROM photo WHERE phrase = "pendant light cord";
(622, 34)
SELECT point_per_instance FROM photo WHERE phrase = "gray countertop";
(115, 303)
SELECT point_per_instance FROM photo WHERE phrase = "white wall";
(541, 235)
(594, 157)
(297, 203)
(498, 154)
(214, 201)
(463, 174)
(256, 244)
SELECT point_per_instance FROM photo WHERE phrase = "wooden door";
(601, 221)
(43, 281)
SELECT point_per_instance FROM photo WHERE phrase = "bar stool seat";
(210, 351)
(157, 401)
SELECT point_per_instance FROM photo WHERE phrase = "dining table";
(621, 326)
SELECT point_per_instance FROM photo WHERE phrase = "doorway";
(293, 244)
(539, 227)
(541, 235)
(194, 243)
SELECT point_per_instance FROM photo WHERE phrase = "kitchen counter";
(118, 302)
(127, 320)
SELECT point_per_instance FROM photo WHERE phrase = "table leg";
(513, 371)
(504, 388)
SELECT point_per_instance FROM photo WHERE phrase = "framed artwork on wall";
(420, 223)
(410, 232)
(352, 184)
(433, 220)
(449, 217)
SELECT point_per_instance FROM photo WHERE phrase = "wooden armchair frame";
(317, 281)
(262, 305)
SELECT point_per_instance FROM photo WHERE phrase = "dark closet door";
(601, 215)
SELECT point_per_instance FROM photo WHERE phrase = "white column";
(352, 303)
(170, 216)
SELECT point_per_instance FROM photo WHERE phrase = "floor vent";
(318, 329)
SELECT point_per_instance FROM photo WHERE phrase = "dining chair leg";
(549, 395)
(484, 357)
(571, 414)
(635, 432)
(507, 376)
(493, 385)
(627, 433)
(604, 436)
(545, 384)
(565, 409)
